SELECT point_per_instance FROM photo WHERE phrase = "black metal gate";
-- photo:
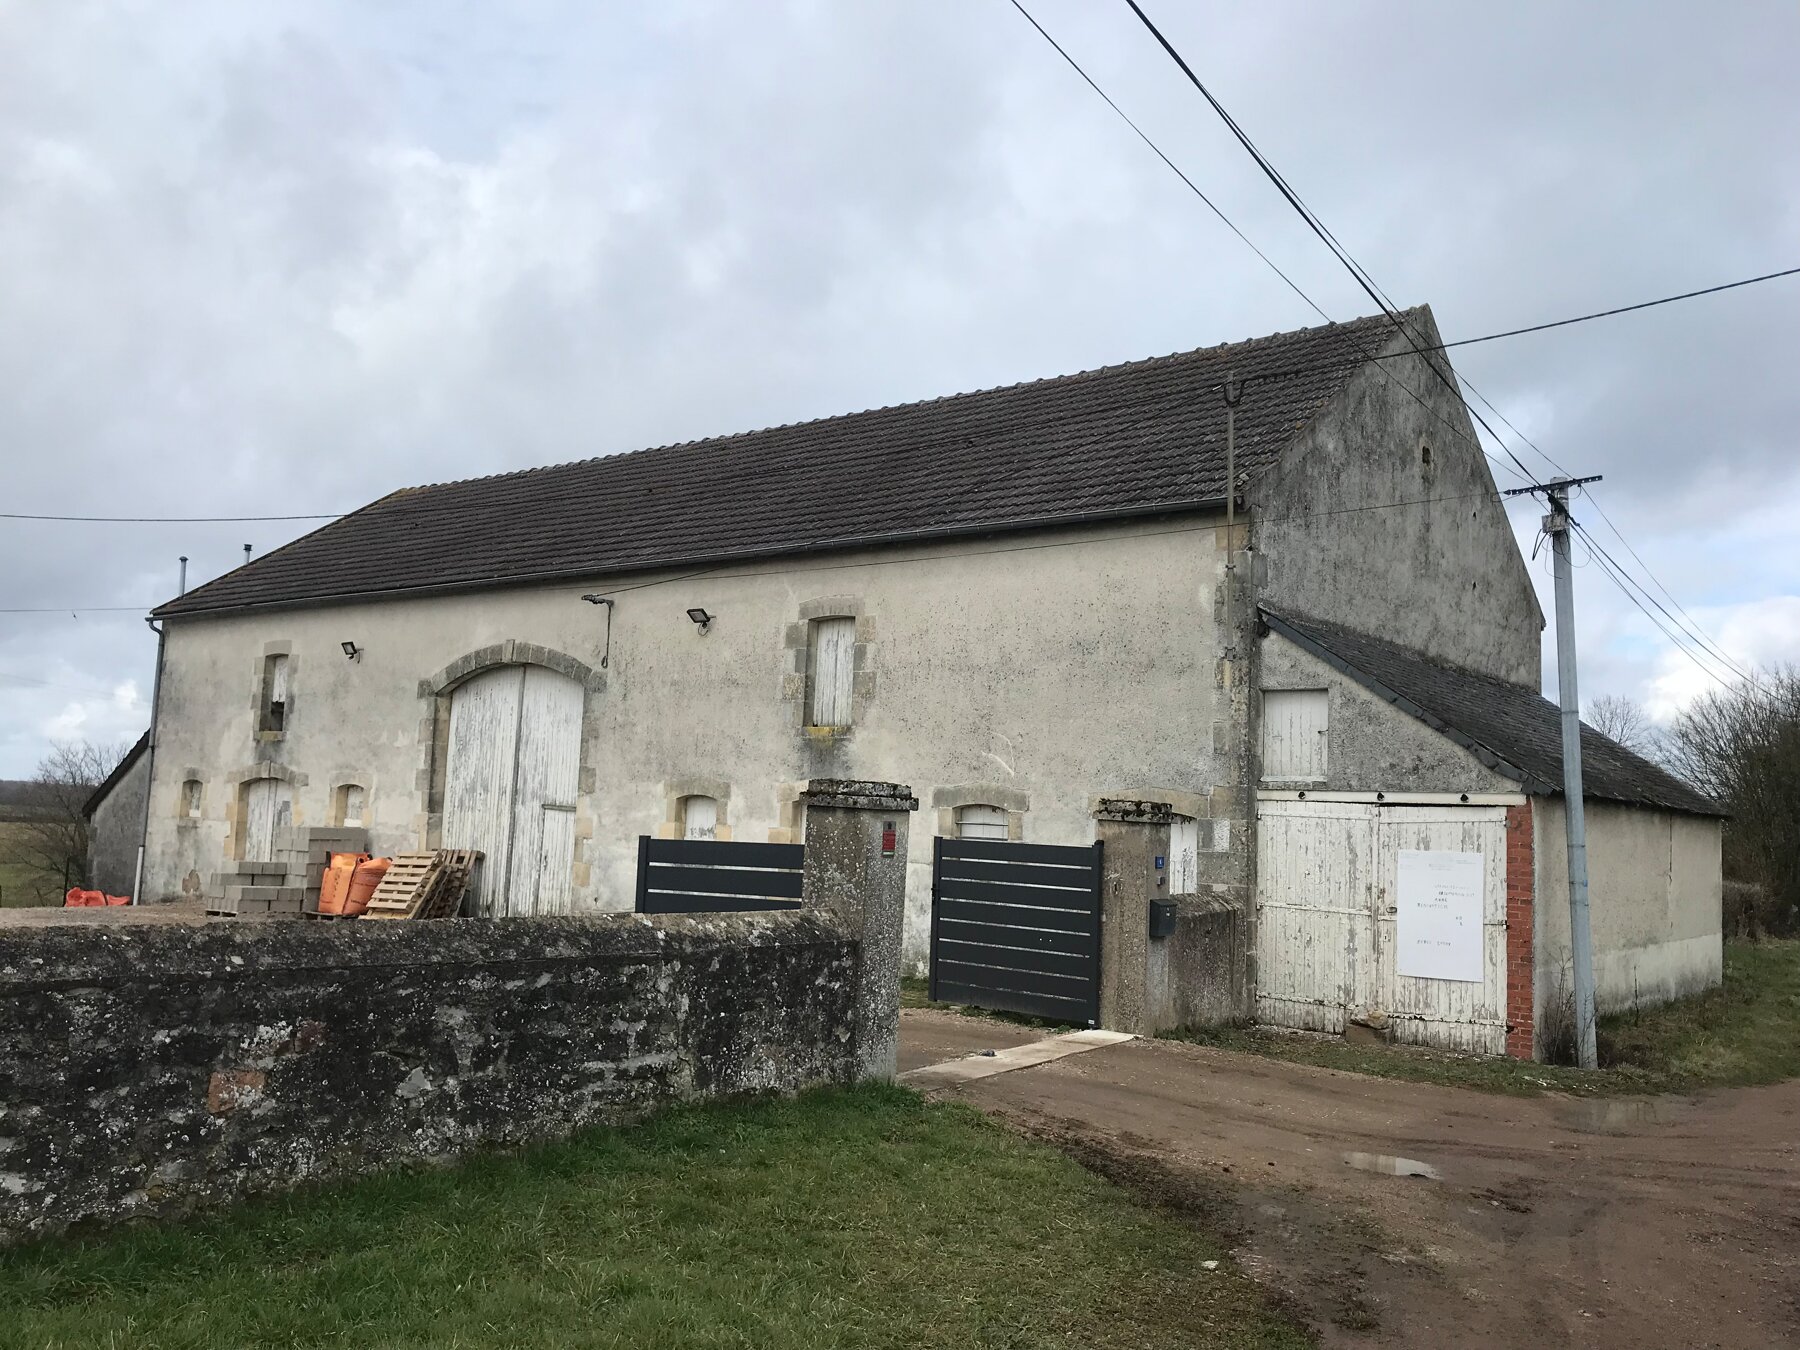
(698, 876)
(1016, 927)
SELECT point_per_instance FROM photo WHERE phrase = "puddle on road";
(1619, 1115)
(1389, 1165)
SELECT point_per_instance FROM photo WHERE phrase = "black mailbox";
(1162, 918)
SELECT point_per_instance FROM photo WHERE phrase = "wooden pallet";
(424, 885)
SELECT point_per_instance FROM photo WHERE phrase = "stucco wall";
(150, 1069)
(1653, 903)
(1038, 674)
(1372, 746)
(1442, 575)
(116, 830)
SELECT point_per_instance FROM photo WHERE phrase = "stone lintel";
(859, 794)
(1141, 813)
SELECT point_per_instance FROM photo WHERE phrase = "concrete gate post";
(856, 867)
(1134, 837)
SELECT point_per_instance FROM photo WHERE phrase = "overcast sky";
(281, 258)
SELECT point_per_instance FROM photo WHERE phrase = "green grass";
(853, 1218)
(1745, 1032)
(19, 884)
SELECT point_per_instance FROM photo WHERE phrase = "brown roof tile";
(1123, 440)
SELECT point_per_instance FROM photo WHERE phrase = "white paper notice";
(1438, 915)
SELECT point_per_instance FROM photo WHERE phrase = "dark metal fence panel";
(698, 876)
(1016, 927)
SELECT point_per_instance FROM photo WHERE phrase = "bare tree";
(1624, 721)
(52, 847)
(1741, 745)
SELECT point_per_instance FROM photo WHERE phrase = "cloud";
(284, 258)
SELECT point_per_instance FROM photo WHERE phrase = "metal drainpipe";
(137, 881)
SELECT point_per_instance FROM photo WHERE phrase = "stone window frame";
(336, 804)
(436, 691)
(678, 790)
(183, 817)
(946, 800)
(797, 642)
(259, 685)
(235, 810)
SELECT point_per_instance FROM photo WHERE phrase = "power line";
(1692, 634)
(1366, 356)
(67, 688)
(886, 562)
(161, 520)
(1622, 309)
(1318, 227)
(83, 609)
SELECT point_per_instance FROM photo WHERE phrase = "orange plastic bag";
(363, 882)
(80, 899)
(336, 884)
(118, 899)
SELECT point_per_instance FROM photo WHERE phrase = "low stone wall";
(149, 1069)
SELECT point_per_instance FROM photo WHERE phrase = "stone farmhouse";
(1267, 589)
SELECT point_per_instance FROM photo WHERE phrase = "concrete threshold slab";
(966, 1070)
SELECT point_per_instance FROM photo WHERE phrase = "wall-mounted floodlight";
(701, 617)
(351, 651)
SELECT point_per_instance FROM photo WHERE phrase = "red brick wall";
(1521, 887)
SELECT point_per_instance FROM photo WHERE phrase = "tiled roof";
(1512, 729)
(1120, 441)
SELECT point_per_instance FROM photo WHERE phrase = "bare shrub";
(1742, 746)
(1556, 1023)
(1626, 723)
(52, 846)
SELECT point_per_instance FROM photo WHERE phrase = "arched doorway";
(509, 786)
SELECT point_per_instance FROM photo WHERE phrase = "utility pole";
(1581, 940)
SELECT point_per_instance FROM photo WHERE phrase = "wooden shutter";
(1293, 740)
(699, 818)
(831, 667)
(980, 822)
(1184, 856)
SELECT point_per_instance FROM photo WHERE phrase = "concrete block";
(263, 894)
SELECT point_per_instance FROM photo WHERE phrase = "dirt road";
(1541, 1221)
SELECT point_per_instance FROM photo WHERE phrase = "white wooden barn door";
(1315, 929)
(510, 783)
(1465, 1015)
(268, 807)
(1327, 924)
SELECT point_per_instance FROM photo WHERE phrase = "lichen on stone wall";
(146, 1070)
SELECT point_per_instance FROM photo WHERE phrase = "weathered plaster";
(1442, 573)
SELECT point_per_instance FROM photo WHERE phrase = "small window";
(348, 804)
(981, 822)
(1184, 854)
(275, 694)
(699, 817)
(190, 799)
(830, 666)
(1293, 735)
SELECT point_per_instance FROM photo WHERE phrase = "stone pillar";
(1134, 836)
(856, 868)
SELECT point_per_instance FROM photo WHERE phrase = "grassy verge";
(20, 884)
(844, 1218)
(916, 993)
(1745, 1032)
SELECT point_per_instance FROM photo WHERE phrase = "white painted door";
(1327, 903)
(514, 761)
(268, 807)
(1455, 1014)
(1315, 930)
(830, 674)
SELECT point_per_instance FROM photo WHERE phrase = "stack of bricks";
(289, 883)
